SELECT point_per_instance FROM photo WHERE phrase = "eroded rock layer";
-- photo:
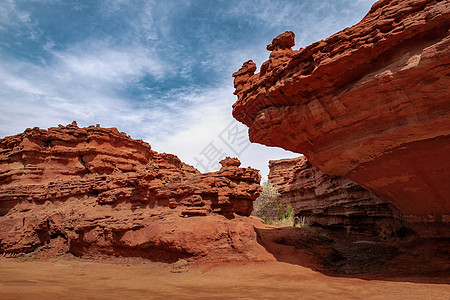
(334, 203)
(105, 193)
(371, 102)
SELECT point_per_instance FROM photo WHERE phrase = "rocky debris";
(180, 266)
(371, 103)
(105, 193)
(333, 204)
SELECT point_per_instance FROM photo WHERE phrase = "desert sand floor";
(70, 278)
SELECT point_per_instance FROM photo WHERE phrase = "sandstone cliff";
(371, 102)
(105, 193)
(333, 203)
(97, 193)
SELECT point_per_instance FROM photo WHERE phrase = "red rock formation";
(371, 102)
(106, 193)
(333, 203)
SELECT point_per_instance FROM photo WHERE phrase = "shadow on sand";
(415, 260)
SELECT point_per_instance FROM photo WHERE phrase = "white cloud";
(102, 63)
(76, 85)
(202, 122)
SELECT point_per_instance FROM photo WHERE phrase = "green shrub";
(265, 206)
(269, 207)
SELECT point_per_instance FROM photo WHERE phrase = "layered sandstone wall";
(334, 203)
(105, 193)
(371, 102)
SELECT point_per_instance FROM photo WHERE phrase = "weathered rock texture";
(105, 193)
(371, 102)
(334, 203)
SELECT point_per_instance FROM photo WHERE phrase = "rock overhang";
(371, 102)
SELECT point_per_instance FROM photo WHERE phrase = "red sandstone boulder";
(230, 162)
(105, 193)
(284, 41)
(371, 102)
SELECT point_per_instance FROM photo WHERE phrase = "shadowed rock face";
(106, 193)
(334, 203)
(371, 102)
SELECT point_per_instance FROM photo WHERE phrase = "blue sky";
(158, 70)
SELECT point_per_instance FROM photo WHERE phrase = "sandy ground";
(71, 278)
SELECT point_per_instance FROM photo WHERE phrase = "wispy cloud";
(82, 85)
(18, 21)
(101, 63)
(310, 20)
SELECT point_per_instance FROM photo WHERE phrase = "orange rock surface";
(371, 102)
(107, 194)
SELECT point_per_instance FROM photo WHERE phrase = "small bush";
(269, 207)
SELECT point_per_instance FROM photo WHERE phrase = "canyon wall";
(334, 203)
(371, 102)
(104, 193)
